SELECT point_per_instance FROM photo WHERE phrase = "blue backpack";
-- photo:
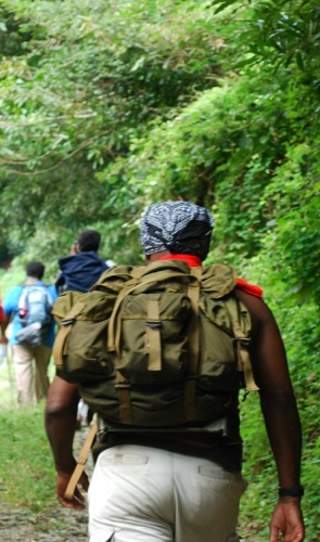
(34, 310)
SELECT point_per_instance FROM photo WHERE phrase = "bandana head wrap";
(181, 227)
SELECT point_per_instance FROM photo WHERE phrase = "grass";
(26, 467)
(27, 476)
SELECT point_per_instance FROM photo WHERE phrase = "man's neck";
(31, 280)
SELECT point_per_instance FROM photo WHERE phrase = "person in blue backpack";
(82, 268)
(28, 308)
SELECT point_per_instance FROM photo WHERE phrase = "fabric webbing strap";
(63, 333)
(190, 406)
(82, 461)
(153, 335)
(122, 387)
(243, 356)
(59, 343)
(194, 333)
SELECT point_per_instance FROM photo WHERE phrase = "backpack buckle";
(67, 321)
(122, 385)
(154, 324)
(242, 341)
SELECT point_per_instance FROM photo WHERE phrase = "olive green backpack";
(162, 345)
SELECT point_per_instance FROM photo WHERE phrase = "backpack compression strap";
(242, 350)
(190, 407)
(153, 335)
(83, 458)
(66, 326)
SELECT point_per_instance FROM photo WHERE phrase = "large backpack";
(160, 346)
(34, 313)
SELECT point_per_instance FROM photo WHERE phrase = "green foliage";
(91, 78)
(109, 105)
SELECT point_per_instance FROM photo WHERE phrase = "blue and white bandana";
(177, 226)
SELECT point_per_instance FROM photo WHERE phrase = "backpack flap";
(113, 279)
(153, 336)
(80, 347)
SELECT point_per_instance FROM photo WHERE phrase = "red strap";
(249, 288)
(195, 261)
(190, 259)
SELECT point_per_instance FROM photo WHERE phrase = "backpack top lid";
(217, 280)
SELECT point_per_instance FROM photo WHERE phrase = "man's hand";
(287, 523)
(77, 501)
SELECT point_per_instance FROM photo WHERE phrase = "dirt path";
(57, 525)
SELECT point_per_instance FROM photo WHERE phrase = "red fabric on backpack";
(249, 288)
(190, 259)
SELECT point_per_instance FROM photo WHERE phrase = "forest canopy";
(108, 105)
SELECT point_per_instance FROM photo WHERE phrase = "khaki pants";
(27, 385)
(143, 494)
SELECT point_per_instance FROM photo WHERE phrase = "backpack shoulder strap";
(23, 297)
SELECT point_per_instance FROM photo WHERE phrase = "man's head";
(35, 270)
(89, 240)
(180, 227)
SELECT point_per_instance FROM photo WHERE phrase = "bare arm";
(60, 423)
(280, 413)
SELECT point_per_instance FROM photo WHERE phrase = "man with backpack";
(78, 272)
(82, 268)
(173, 343)
(28, 307)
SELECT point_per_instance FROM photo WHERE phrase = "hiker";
(82, 268)
(155, 479)
(28, 307)
(79, 271)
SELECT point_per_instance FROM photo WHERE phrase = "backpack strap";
(194, 339)
(83, 458)
(66, 326)
(122, 386)
(242, 343)
(153, 335)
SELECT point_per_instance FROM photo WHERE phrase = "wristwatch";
(293, 491)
